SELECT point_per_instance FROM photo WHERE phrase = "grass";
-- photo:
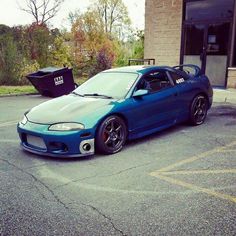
(26, 89)
(7, 90)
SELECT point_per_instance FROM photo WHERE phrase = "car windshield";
(108, 85)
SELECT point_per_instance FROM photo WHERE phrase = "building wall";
(163, 21)
(231, 78)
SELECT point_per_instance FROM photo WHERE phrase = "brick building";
(201, 32)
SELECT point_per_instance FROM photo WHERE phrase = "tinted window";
(209, 9)
(176, 78)
(217, 39)
(194, 35)
(154, 82)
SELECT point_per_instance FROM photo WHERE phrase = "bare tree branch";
(112, 13)
(41, 10)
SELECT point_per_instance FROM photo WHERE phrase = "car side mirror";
(140, 92)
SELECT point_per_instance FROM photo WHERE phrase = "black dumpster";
(52, 81)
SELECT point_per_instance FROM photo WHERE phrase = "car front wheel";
(198, 110)
(111, 135)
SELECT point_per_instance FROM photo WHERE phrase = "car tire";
(198, 110)
(111, 135)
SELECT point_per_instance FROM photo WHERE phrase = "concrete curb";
(17, 94)
(224, 96)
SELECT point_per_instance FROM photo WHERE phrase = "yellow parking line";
(195, 188)
(164, 172)
(229, 150)
(197, 157)
(191, 172)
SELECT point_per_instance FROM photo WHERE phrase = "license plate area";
(36, 142)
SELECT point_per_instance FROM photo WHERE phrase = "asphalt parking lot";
(181, 181)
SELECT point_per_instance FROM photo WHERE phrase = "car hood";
(69, 108)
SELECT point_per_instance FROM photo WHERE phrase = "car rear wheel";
(198, 111)
(111, 135)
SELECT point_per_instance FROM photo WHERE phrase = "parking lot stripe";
(190, 172)
(168, 170)
(229, 150)
(197, 157)
(9, 123)
(195, 188)
(9, 141)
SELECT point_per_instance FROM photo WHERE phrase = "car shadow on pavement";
(157, 135)
(57, 159)
(129, 144)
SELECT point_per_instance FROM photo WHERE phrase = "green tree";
(39, 41)
(132, 48)
(60, 54)
(24, 49)
(123, 53)
(138, 45)
(9, 57)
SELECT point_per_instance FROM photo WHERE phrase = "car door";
(157, 109)
(185, 95)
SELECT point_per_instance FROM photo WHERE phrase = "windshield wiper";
(96, 95)
(77, 94)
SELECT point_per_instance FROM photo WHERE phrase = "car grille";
(36, 142)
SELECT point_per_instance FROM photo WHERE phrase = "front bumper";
(54, 143)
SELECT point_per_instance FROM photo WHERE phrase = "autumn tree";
(24, 49)
(42, 10)
(39, 39)
(91, 43)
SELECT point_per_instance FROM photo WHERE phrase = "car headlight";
(24, 121)
(66, 127)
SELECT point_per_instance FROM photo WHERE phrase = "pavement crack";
(219, 142)
(106, 217)
(38, 181)
(102, 176)
(75, 181)
(128, 169)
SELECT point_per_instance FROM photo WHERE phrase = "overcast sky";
(10, 14)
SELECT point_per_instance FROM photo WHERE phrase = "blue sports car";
(114, 106)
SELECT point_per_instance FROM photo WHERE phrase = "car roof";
(142, 69)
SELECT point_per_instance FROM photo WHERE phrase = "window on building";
(218, 39)
(234, 52)
(209, 9)
(194, 36)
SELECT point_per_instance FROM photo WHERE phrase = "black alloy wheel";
(198, 110)
(111, 135)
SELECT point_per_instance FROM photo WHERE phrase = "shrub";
(26, 68)
(104, 60)
(9, 60)
(59, 53)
